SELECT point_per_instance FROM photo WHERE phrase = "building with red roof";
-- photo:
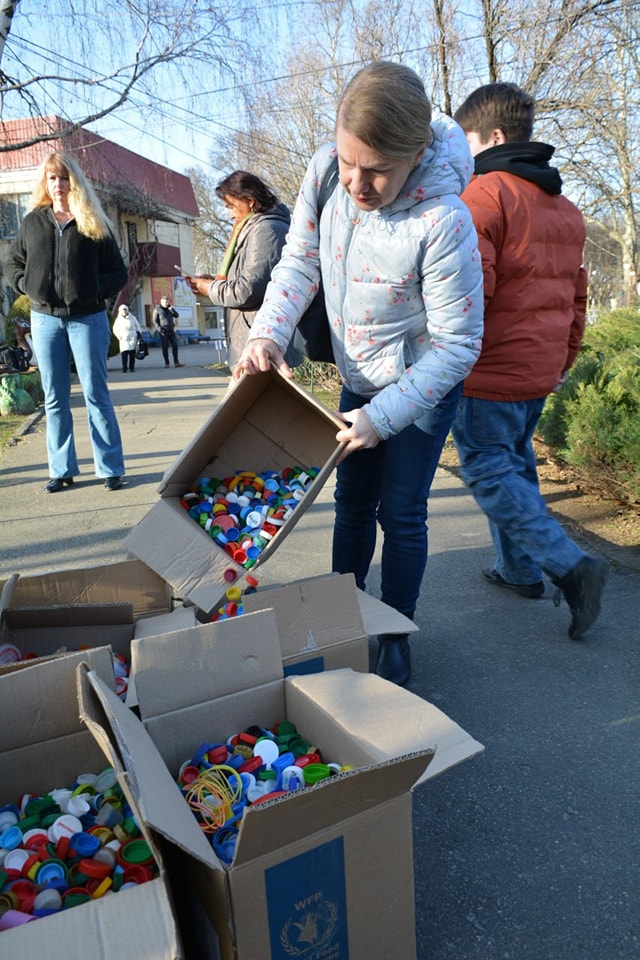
(151, 207)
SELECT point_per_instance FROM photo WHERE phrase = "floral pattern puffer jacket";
(403, 284)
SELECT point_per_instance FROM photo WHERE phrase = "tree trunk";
(7, 10)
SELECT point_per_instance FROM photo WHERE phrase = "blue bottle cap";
(84, 844)
(11, 838)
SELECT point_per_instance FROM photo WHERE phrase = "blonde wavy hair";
(90, 218)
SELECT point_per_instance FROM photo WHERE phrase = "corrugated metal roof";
(103, 161)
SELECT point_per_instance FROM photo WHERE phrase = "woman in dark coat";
(260, 225)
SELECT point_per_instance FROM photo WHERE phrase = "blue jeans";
(390, 485)
(86, 339)
(498, 464)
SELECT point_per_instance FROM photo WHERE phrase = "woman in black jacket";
(65, 258)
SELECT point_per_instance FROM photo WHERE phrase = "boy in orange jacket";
(531, 239)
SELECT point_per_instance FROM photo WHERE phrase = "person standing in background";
(535, 291)
(260, 225)
(66, 260)
(126, 329)
(164, 317)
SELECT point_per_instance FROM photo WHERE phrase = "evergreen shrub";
(594, 419)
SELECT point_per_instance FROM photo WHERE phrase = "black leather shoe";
(394, 658)
(57, 483)
(529, 590)
(582, 588)
(113, 483)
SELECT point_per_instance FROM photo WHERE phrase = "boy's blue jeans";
(55, 341)
(390, 485)
(498, 464)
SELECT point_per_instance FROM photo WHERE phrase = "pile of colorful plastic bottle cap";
(222, 779)
(69, 847)
(233, 606)
(244, 512)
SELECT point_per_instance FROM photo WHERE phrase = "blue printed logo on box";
(307, 905)
(305, 667)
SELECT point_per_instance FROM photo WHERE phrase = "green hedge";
(594, 419)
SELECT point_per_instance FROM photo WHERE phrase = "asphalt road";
(526, 852)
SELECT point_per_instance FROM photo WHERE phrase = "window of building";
(13, 209)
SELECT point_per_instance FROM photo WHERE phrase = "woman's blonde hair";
(385, 106)
(90, 218)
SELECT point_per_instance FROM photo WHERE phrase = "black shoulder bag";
(312, 338)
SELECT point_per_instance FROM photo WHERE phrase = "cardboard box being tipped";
(45, 744)
(327, 871)
(266, 422)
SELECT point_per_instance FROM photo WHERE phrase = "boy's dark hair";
(502, 106)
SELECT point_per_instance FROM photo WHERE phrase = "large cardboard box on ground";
(104, 605)
(45, 744)
(327, 871)
(265, 422)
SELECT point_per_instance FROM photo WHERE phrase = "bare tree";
(578, 58)
(596, 116)
(92, 56)
(212, 229)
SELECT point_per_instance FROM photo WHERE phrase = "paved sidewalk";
(527, 852)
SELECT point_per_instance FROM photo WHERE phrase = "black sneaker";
(529, 590)
(582, 588)
(57, 483)
(113, 483)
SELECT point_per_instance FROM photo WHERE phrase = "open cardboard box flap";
(379, 617)
(220, 659)
(178, 619)
(385, 720)
(326, 609)
(312, 614)
(51, 690)
(128, 581)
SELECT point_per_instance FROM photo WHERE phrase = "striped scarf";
(231, 247)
